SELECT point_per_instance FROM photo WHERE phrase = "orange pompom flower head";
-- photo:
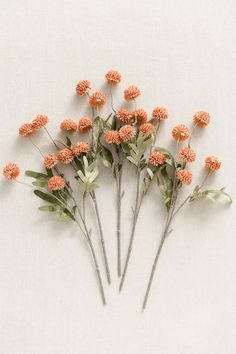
(131, 93)
(184, 176)
(180, 132)
(140, 115)
(112, 137)
(97, 100)
(65, 156)
(202, 119)
(26, 129)
(126, 133)
(113, 77)
(69, 126)
(156, 158)
(187, 154)
(82, 87)
(85, 124)
(80, 148)
(124, 115)
(160, 113)
(50, 161)
(147, 127)
(56, 183)
(212, 163)
(39, 121)
(11, 171)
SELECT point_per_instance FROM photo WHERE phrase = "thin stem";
(84, 204)
(135, 217)
(25, 184)
(118, 230)
(190, 195)
(102, 240)
(165, 233)
(112, 101)
(31, 140)
(51, 138)
(95, 262)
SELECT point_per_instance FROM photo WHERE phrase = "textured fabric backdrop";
(181, 53)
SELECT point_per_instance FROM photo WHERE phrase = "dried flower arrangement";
(125, 136)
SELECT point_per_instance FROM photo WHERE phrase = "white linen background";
(182, 55)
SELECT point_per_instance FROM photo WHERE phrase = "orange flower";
(11, 171)
(147, 127)
(124, 115)
(113, 77)
(85, 124)
(180, 132)
(80, 147)
(187, 154)
(26, 129)
(184, 176)
(112, 137)
(97, 100)
(68, 125)
(126, 133)
(156, 158)
(39, 121)
(212, 163)
(140, 115)
(56, 183)
(160, 113)
(65, 156)
(82, 87)
(131, 93)
(50, 161)
(202, 119)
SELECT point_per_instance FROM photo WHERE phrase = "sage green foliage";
(58, 201)
(86, 178)
(211, 194)
(135, 151)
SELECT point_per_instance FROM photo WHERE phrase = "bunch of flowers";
(126, 136)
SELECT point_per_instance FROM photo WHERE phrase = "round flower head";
(124, 115)
(97, 100)
(65, 156)
(39, 121)
(187, 154)
(85, 124)
(180, 132)
(112, 137)
(131, 93)
(202, 119)
(156, 158)
(82, 87)
(160, 113)
(68, 125)
(140, 115)
(11, 171)
(56, 183)
(184, 176)
(26, 129)
(113, 77)
(147, 127)
(126, 133)
(50, 161)
(212, 163)
(80, 147)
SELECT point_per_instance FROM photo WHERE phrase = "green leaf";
(106, 156)
(165, 184)
(212, 194)
(48, 198)
(37, 175)
(42, 184)
(50, 208)
(68, 141)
